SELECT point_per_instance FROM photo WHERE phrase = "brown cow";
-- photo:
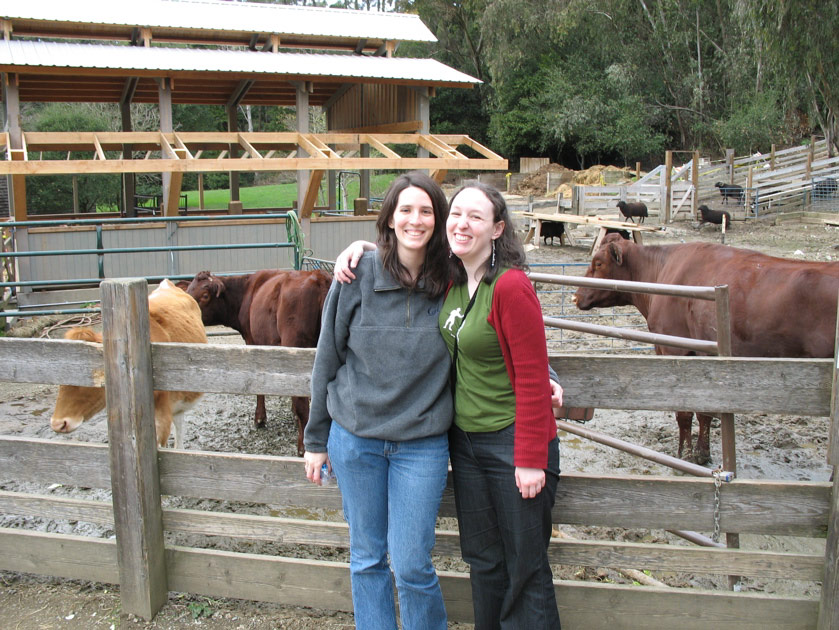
(268, 308)
(779, 307)
(174, 317)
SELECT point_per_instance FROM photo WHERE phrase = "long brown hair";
(509, 252)
(434, 275)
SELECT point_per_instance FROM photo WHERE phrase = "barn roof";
(236, 23)
(58, 71)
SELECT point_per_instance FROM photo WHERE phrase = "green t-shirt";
(483, 396)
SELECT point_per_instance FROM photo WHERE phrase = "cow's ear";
(616, 253)
(218, 287)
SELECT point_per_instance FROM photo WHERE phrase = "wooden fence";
(780, 180)
(138, 474)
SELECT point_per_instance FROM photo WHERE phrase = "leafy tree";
(801, 46)
(49, 194)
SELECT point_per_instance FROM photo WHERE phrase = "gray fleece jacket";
(381, 368)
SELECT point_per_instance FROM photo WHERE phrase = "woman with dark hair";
(503, 446)
(381, 408)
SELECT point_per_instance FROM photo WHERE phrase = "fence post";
(729, 449)
(829, 605)
(729, 160)
(666, 201)
(694, 177)
(138, 518)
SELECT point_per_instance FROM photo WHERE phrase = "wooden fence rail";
(734, 385)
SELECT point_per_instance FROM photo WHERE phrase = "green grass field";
(282, 195)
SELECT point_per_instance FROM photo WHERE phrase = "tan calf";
(174, 316)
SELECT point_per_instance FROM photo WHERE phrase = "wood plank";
(787, 508)
(311, 196)
(292, 581)
(326, 585)
(60, 555)
(717, 384)
(582, 604)
(594, 553)
(731, 385)
(48, 461)
(379, 146)
(620, 607)
(670, 503)
(219, 164)
(138, 519)
(173, 196)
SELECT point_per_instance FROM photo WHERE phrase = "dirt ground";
(789, 448)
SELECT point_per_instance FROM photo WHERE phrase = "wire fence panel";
(557, 302)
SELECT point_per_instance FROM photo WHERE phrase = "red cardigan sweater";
(516, 316)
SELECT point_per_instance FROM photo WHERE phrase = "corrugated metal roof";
(17, 55)
(227, 16)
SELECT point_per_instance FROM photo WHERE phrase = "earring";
(450, 252)
(492, 263)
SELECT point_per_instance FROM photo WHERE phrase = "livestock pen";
(147, 567)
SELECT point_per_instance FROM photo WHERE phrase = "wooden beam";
(100, 154)
(183, 149)
(379, 146)
(239, 92)
(138, 518)
(166, 148)
(249, 148)
(311, 194)
(145, 36)
(174, 196)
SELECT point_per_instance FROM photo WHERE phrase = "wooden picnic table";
(605, 225)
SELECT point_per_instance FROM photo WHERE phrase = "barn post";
(829, 604)
(138, 517)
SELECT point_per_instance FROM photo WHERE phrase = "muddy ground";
(790, 448)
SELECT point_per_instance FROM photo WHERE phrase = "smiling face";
(471, 228)
(412, 222)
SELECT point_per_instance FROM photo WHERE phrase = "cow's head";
(206, 288)
(76, 404)
(608, 263)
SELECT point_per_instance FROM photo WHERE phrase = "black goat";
(551, 230)
(731, 191)
(717, 217)
(633, 209)
(824, 188)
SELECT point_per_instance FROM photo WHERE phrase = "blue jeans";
(391, 494)
(503, 537)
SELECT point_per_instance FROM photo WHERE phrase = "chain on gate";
(719, 476)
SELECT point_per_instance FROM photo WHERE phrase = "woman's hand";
(348, 259)
(314, 462)
(556, 394)
(529, 481)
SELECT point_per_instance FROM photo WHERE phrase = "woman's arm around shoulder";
(348, 259)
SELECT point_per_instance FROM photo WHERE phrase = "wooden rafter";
(184, 152)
